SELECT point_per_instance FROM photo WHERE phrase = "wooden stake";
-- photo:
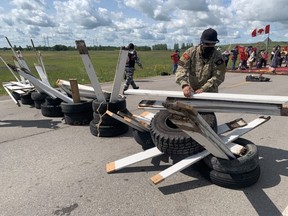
(75, 90)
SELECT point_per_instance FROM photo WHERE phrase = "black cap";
(209, 36)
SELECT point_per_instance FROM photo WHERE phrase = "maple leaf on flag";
(260, 31)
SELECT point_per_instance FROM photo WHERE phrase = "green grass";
(68, 64)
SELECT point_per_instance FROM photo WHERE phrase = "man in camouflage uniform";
(201, 68)
(130, 67)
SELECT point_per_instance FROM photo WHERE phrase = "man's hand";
(187, 91)
(198, 91)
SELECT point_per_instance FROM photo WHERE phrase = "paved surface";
(49, 168)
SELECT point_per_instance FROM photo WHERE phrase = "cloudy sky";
(143, 22)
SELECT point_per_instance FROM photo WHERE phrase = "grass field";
(68, 64)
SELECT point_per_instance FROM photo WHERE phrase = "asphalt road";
(50, 168)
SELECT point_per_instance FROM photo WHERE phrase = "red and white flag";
(260, 31)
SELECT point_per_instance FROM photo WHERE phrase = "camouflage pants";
(129, 73)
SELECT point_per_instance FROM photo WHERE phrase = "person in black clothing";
(130, 67)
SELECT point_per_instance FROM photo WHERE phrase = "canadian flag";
(260, 31)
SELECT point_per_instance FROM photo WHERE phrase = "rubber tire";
(169, 139)
(48, 110)
(16, 96)
(102, 107)
(242, 164)
(77, 113)
(82, 118)
(26, 99)
(232, 181)
(144, 139)
(108, 130)
(37, 103)
(106, 119)
(38, 98)
(76, 107)
(53, 101)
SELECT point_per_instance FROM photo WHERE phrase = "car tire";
(242, 164)
(48, 110)
(232, 181)
(26, 99)
(108, 130)
(170, 139)
(77, 113)
(144, 139)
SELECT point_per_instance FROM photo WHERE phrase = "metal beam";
(81, 46)
(119, 74)
(269, 99)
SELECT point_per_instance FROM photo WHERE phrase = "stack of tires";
(236, 173)
(51, 107)
(104, 125)
(77, 113)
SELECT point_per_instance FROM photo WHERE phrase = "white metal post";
(119, 75)
(81, 46)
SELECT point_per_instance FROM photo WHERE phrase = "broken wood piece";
(75, 90)
(126, 121)
(135, 119)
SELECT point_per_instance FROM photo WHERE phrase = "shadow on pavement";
(44, 123)
(273, 163)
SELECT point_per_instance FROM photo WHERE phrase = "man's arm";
(182, 73)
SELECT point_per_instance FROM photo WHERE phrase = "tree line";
(60, 47)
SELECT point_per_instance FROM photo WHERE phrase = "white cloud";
(142, 21)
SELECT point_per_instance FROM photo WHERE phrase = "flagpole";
(267, 43)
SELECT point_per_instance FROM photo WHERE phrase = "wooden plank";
(135, 119)
(75, 90)
(119, 74)
(11, 96)
(125, 121)
(41, 73)
(231, 125)
(147, 115)
(284, 110)
(81, 46)
(213, 96)
(85, 91)
(124, 162)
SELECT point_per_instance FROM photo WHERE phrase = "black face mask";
(207, 51)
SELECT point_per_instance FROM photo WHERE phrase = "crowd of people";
(250, 57)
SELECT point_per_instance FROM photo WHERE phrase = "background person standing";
(175, 59)
(130, 67)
